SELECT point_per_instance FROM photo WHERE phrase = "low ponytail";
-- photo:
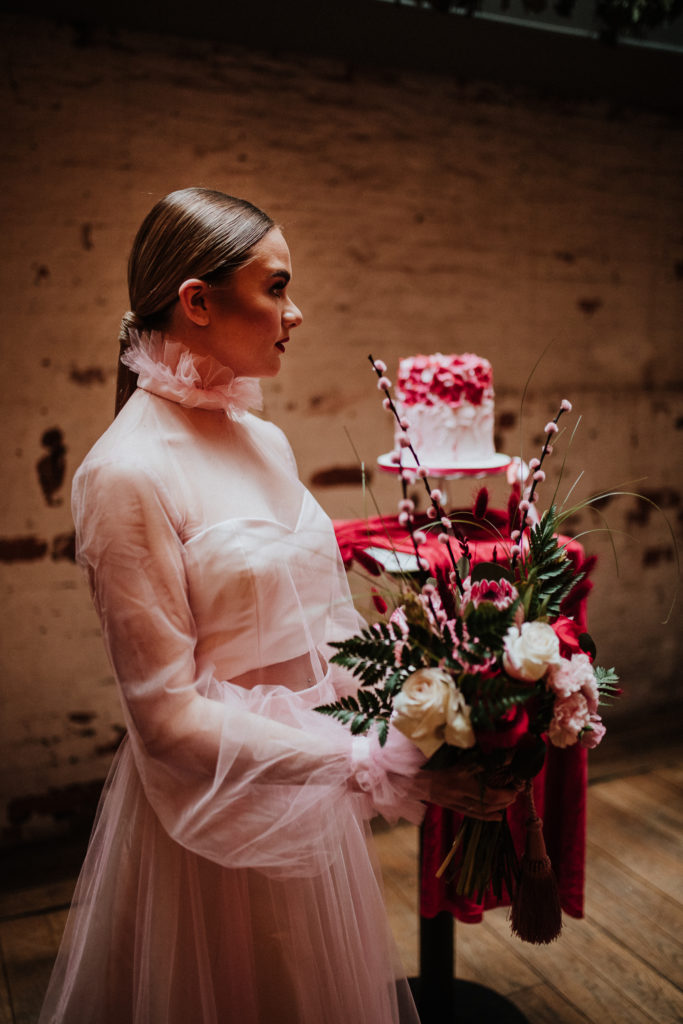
(126, 380)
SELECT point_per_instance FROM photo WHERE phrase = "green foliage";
(361, 712)
(546, 575)
(615, 17)
(607, 681)
(488, 625)
(491, 698)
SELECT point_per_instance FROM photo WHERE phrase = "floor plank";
(650, 851)
(6, 1016)
(16, 903)
(29, 947)
(656, 800)
(635, 931)
(541, 1004)
(481, 955)
(633, 890)
(598, 977)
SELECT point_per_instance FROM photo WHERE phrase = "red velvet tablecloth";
(559, 789)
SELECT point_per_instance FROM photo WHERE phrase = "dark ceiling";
(376, 34)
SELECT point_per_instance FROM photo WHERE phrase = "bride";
(228, 877)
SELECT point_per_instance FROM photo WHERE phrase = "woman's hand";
(458, 789)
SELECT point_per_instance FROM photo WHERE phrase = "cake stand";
(440, 997)
(493, 466)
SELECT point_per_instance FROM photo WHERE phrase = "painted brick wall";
(423, 214)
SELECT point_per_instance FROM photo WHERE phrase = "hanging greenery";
(613, 17)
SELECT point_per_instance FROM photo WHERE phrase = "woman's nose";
(293, 316)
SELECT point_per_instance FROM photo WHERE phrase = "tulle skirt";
(160, 935)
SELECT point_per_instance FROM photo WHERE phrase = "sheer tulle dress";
(229, 877)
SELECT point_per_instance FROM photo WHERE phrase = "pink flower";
(534, 464)
(570, 718)
(380, 365)
(404, 441)
(384, 384)
(419, 537)
(386, 403)
(436, 495)
(399, 621)
(406, 505)
(499, 593)
(431, 512)
(404, 424)
(551, 428)
(572, 676)
(591, 693)
(539, 476)
(565, 405)
(421, 472)
(593, 733)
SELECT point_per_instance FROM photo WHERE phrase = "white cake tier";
(446, 436)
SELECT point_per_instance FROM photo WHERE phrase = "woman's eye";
(278, 289)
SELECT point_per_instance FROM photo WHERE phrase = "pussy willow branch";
(532, 490)
(439, 510)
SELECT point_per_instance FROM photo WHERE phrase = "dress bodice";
(262, 574)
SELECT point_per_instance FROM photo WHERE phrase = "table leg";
(443, 999)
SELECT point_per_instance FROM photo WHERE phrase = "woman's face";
(251, 315)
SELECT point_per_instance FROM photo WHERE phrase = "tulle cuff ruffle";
(390, 776)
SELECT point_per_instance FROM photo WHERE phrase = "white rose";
(420, 708)
(458, 731)
(530, 650)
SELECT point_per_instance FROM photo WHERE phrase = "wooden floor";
(623, 963)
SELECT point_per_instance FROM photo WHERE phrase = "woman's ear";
(192, 297)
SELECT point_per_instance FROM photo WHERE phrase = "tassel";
(536, 915)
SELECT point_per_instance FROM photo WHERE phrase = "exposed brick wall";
(423, 214)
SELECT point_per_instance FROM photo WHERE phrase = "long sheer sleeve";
(245, 776)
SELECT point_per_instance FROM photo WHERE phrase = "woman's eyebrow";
(282, 273)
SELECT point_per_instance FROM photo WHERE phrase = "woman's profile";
(228, 877)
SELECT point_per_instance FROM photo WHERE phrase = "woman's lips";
(281, 344)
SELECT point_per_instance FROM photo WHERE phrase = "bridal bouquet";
(477, 665)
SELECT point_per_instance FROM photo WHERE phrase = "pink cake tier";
(448, 403)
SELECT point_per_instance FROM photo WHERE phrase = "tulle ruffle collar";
(168, 369)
